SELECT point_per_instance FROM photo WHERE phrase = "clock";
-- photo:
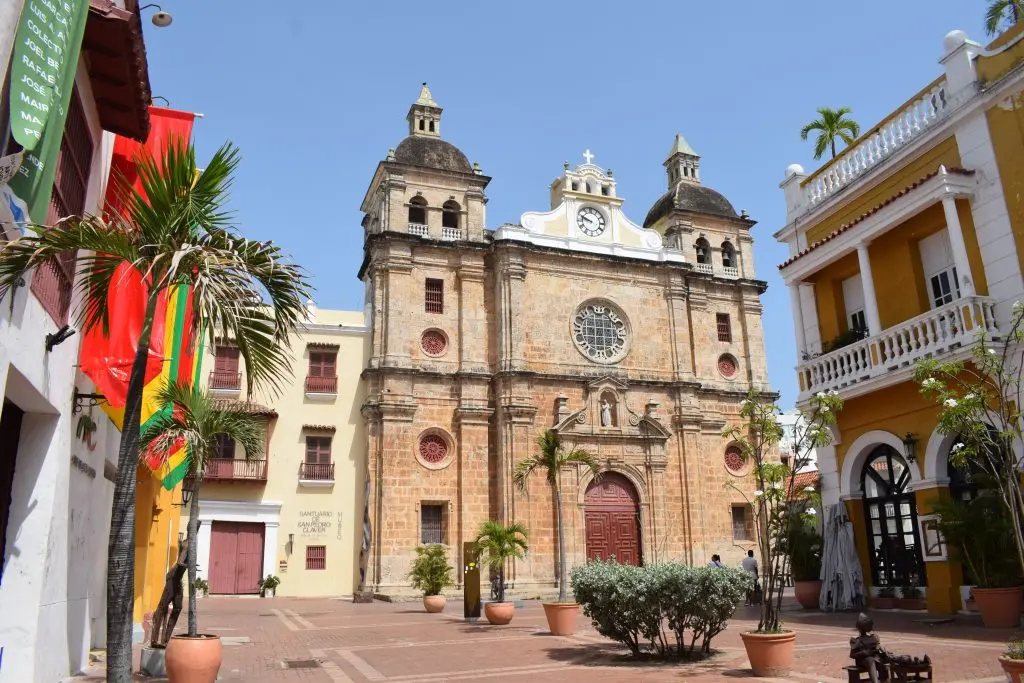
(590, 221)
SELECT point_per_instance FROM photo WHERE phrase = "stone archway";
(612, 519)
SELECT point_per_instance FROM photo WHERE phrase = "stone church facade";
(635, 342)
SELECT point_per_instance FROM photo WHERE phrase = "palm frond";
(812, 126)
(580, 457)
(523, 470)
(994, 15)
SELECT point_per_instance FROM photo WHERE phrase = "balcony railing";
(922, 112)
(321, 385)
(224, 469)
(936, 332)
(728, 271)
(316, 471)
(226, 381)
(451, 234)
(419, 229)
(703, 268)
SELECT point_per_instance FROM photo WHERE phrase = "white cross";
(587, 156)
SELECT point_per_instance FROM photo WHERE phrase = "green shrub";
(1015, 650)
(431, 571)
(653, 607)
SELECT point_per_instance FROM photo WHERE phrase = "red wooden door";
(236, 558)
(612, 520)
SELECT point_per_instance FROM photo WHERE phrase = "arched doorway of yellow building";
(890, 511)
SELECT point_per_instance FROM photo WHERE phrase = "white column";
(809, 310)
(798, 320)
(270, 548)
(956, 241)
(870, 302)
(203, 549)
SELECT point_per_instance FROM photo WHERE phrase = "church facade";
(635, 342)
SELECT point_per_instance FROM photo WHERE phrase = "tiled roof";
(320, 428)
(801, 480)
(870, 212)
(244, 406)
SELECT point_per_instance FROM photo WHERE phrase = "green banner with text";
(43, 70)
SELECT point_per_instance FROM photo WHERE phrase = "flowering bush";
(668, 609)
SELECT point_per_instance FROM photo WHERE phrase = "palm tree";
(1012, 11)
(174, 231)
(551, 459)
(500, 543)
(831, 125)
(193, 419)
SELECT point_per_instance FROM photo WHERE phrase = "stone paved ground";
(399, 643)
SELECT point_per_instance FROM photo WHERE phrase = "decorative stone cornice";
(389, 411)
(473, 415)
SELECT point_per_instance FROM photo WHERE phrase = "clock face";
(590, 221)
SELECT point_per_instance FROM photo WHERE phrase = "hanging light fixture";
(910, 447)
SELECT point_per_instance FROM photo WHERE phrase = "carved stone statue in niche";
(608, 410)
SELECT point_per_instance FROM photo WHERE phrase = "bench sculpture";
(878, 664)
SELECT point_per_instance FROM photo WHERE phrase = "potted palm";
(770, 647)
(550, 459)
(1013, 662)
(979, 534)
(431, 573)
(268, 586)
(885, 598)
(174, 230)
(911, 597)
(191, 419)
(497, 544)
(804, 543)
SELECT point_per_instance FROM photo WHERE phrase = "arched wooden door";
(612, 514)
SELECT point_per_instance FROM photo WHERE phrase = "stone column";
(472, 314)
(870, 302)
(397, 272)
(679, 328)
(798, 319)
(509, 310)
(270, 547)
(203, 549)
(809, 313)
(956, 241)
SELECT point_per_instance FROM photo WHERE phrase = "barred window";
(724, 327)
(742, 527)
(431, 524)
(434, 296)
(316, 557)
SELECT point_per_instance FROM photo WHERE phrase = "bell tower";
(682, 164)
(424, 115)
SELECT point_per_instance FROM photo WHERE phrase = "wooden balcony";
(321, 385)
(225, 381)
(223, 469)
(316, 474)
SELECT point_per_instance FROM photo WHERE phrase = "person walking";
(716, 561)
(750, 566)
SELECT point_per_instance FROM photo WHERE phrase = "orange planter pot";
(434, 603)
(193, 660)
(1014, 669)
(499, 613)
(999, 607)
(770, 654)
(561, 617)
(807, 593)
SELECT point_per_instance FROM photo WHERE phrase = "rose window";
(433, 449)
(727, 366)
(600, 332)
(433, 343)
(734, 461)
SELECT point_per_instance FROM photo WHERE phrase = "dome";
(693, 198)
(431, 152)
(953, 40)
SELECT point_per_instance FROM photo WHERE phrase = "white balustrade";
(419, 229)
(703, 268)
(942, 330)
(451, 234)
(922, 113)
(730, 272)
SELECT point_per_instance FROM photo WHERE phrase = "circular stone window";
(727, 366)
(434, 450)
(434, 342)
(734, 461)
(601, 332)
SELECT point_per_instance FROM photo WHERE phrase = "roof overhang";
(884, 218)
(118, 70)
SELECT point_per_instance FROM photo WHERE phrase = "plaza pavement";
(336, 641)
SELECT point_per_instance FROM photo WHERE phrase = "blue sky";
(314, 99)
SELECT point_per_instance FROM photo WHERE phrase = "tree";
(498, 544)
(981, 405)
(999, 12)
(757, 440)
(832, 124)
(192, 418)
(175, 230)
(550, 460)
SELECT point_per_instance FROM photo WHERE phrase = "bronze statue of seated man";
(867, 652)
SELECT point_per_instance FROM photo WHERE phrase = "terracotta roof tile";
(246, 406)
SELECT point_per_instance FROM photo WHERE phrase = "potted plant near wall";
(911, 597)
(1012, 662)
(497, 544)
(884, 599)
(268, 586)
(979, 535)
(550, 459)
(431, 573)
(202, 587)
(191, 420)
(804, 543)
(770, 647)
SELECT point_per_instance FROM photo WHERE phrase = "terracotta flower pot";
(1014, 669)
(561, 617)
(910, 603)
(999, 607)
(193, 660)
(882, 603)
(807, 593)
(770, 654)
(499, 613)
(434, 603)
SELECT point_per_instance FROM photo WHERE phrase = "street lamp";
(161, 19)
(910, 447)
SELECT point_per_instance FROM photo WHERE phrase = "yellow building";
(296, 512)
(903, 247)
